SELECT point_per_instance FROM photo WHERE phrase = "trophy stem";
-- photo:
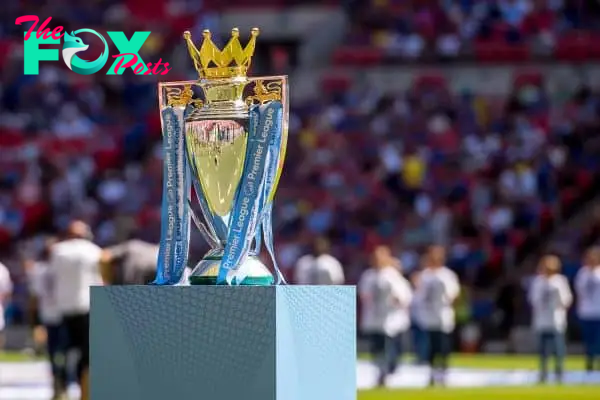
(224, 98)
(205, 273)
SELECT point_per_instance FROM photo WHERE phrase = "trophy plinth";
(279, 342)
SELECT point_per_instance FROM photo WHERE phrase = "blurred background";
(469, 123)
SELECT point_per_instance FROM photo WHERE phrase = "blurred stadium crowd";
(505, 30)
(486, 176)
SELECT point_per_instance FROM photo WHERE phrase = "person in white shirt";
(322, 269)
(302, 272)
(41, 286)
(132, 262)
(328, 270)
(75, 264)
(385, 297)
(587, 288)
(6, 288)
(550, 297)
(438, 289)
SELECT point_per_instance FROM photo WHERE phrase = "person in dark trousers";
(48, 319)
(587, 287)
(418, 333)
(75, 265)
(385, 296)
(437, 290)
(550, 298)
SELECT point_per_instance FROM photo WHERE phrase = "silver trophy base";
(254, 271)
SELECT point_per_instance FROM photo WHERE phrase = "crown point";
(187, 35)
(232, 61)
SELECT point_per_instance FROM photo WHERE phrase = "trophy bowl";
(216, 149)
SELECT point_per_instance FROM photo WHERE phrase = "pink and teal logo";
(128, 56)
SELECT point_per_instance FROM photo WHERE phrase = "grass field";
(492, 361)
(16, 357)
(518, 393)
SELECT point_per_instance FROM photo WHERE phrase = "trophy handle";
(268, 89)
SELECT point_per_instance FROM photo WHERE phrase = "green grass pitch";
(490, 393)
(492, 361)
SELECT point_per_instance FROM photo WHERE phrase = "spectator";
(385, 296)
(436, 293)
(550, 298)
(587, 286)
(319, 268)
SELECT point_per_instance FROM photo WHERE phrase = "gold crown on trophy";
(212, 63)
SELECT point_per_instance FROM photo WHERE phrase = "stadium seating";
(365, 168)
(485, 30)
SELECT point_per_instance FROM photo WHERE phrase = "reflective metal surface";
(216, 151)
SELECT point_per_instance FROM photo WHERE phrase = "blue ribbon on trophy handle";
(265, 130)
(267, 228)
(266, 220)
(257, 242)
(265, 225)
(175, 211)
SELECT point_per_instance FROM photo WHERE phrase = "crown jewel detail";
(232, 61)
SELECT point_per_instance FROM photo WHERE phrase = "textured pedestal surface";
(223, 343)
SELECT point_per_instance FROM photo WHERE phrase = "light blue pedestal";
(223, 343)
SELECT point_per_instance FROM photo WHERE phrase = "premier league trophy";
(225, 135)
(238, 331)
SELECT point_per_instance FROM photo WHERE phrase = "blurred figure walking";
(587, 287)
(130, 263)
(437, 290)
(75, 264)
(48, 321)
(550, 298)
(385, 296)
